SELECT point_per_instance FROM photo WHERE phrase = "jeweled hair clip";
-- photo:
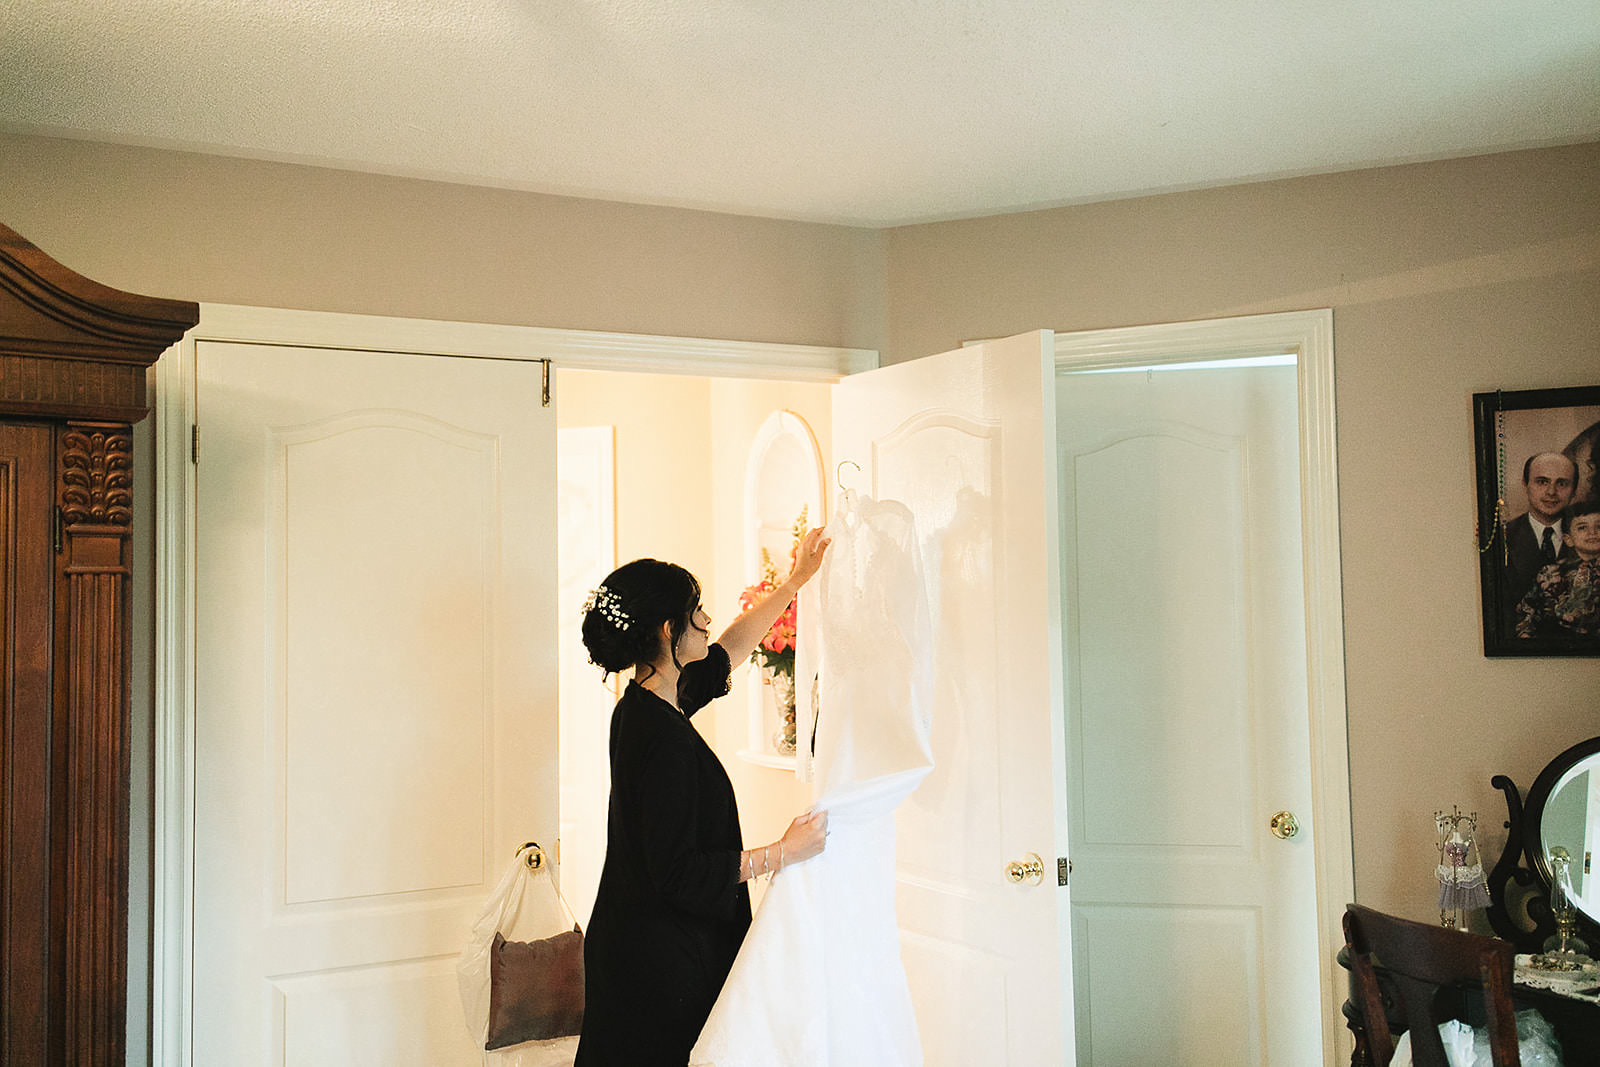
(609, 605)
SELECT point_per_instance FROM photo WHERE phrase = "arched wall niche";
(783, 475)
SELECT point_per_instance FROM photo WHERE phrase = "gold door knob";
(1029, 868)
(1284, 824)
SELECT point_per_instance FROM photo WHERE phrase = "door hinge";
(544, 388)
(1063, 870)
(194, 444)
(61, 529)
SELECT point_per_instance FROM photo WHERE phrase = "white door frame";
(172, 912)
(1309, 335)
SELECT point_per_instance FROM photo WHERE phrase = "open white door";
(375, 726)
(967, 441)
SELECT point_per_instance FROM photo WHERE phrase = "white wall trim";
(582, 349)
(172, 948)
(172, 877)
(1309, 335)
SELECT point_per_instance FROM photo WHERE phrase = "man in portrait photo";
(1535, 538)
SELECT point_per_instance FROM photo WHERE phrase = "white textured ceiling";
(869, 112)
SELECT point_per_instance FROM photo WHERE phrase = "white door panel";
(965, 440)
(1187, 718)
(1166, 749)
(375, 727)
(1217, 1024)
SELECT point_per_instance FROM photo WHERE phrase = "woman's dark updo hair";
(647, 592)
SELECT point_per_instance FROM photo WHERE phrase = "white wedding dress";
(818, 981)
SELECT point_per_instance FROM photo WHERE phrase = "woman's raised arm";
(745, 632)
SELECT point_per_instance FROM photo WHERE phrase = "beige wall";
(279, 235)
(1445, 279)
(663, 440)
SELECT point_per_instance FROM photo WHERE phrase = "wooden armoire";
(73, 361)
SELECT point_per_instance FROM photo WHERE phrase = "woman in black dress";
(672, 906)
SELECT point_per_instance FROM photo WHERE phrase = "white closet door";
(1188, 724)
(967, 440)
(375, 712)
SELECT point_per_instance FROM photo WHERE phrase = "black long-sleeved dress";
(670, 912)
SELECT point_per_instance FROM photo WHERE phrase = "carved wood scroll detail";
(97, 475)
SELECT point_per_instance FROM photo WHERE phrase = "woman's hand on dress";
(806, 837)
(808, 556)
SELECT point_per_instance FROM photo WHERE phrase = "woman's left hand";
(806, 836)
(808, 556)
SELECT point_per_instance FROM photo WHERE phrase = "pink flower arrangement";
(776, 651)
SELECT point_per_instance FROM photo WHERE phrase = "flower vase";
(783, 692)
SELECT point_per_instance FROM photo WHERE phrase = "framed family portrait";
(1539, 520)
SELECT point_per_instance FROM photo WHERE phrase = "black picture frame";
(1509, 428)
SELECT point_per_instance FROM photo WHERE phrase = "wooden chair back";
(1420, 959)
